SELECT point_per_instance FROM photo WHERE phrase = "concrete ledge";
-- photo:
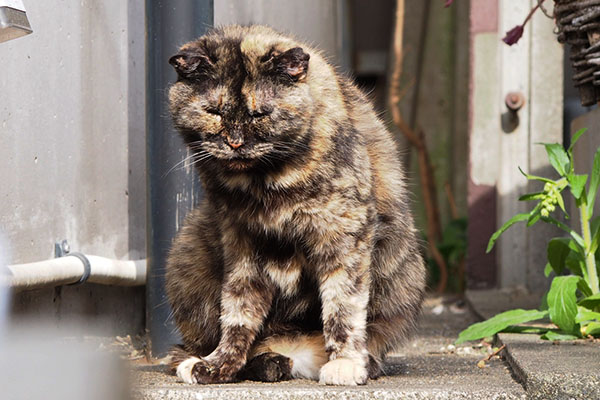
(554, 370)
(547, 370)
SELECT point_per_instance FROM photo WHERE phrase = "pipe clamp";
(87, 268)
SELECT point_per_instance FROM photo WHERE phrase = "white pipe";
(70, 269)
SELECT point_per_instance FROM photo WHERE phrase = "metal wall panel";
(72, 149)
(173, 185)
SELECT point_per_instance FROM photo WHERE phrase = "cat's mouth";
(240, 164)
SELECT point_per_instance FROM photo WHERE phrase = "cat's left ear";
(293, 63)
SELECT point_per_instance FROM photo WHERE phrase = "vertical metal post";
(172, 189)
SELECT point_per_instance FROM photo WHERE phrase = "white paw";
(343, 371)
(184, 370)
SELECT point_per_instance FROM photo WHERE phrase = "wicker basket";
(578, 23)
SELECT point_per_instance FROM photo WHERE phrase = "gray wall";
(72, 147)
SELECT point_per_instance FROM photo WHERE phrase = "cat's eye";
(259, 113)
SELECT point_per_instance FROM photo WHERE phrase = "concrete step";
(555, 370)
(568, 370)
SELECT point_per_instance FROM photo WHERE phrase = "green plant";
(453, 248)
(573, 301)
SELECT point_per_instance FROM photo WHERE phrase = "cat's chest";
(284, 276)
(281, 259)
(274, 219)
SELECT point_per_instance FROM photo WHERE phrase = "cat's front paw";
(198, 370)
(343, 371)
(184, 370)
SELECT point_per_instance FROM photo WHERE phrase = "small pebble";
(465, 351)
(438, 310)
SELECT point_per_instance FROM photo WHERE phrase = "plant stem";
(590, 259)
(533, 10)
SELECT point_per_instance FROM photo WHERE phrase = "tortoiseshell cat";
(302, 260)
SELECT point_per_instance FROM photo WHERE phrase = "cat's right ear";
(293, 63)
(189, 65)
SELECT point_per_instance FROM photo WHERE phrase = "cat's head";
(242, 98)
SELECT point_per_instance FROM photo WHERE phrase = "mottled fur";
(304, 235)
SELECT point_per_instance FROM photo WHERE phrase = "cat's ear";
(292, 63)
(189, 64)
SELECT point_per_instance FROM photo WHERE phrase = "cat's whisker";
(292, 147)
(195, 158)
(174, 167)
(201, 160)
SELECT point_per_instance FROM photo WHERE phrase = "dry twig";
(482, 362)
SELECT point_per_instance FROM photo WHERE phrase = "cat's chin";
(239, 165)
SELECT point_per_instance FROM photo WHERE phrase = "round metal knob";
(514, 101)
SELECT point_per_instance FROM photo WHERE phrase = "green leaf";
(498, 323)
(594, 225)
(507, 224)
(524, 329)
(561, 204)
(593, 328)
(577, 183)
(565, 228)
(534, 216)
(584, 288)
(575, 263)
(576, 137)
(535, 177)
(558, 158)
(532, 196)
(594, 182)
(548, 270)
(562, 302)
(585, 315)
(551, 335)
(590, 301)
(558, 250)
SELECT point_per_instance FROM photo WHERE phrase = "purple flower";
(513, 35)
(448, 3)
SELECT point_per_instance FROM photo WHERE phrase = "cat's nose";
(234, 143)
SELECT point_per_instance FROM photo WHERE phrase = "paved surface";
(428, 367)
(557, 371)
